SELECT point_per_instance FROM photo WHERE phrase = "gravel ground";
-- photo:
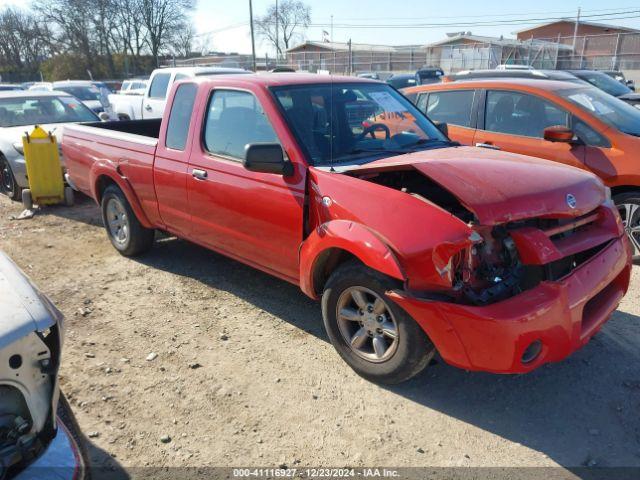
(185, 358)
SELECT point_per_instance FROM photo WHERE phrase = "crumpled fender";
(110, 169)
(351, 237)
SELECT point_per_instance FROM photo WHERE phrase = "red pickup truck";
(415, 244)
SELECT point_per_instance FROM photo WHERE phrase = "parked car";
(402, 80)
(619, 76)
(94, 97)
(604, 82)
(597, 79)
(133, 87)
(500, 262)
(41, 87)
(152, 103)
(19, 113)
(32, 439)
(574, 124)
(513, 66)
(427, 75)
(9, 87)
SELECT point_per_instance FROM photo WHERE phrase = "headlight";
(19, 148)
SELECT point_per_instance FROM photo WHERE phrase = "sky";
(214, 15)
(227, 21)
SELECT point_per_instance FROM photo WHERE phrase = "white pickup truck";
(151, 104)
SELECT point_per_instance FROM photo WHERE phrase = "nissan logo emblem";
(571, 201)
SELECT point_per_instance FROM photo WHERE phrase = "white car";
(19, 113)
(87, 92)
(152, 103)
(32, 441)
(41, 87)
(133, 87)
(514, 66)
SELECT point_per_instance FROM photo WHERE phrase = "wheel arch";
(104, 178)
(337, 242)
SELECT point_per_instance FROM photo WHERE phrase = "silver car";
(19, 113)
(31, 333)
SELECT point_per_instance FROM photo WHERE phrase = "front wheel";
(8, 184)
(378, 339)
(126, 233)
(629, 207)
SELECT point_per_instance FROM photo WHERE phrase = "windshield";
(620, 115)
(604, 82)
(81, 93)
(34, 110)
(354, 123)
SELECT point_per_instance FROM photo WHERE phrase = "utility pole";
(331, 29)
(350, 59)
(575, 30)
(277, 41)
(253, 40)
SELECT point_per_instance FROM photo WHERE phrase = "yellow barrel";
(44, 170)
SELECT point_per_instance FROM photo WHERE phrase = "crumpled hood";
(24, 308)
(500, 187)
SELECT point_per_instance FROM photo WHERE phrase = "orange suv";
(578, 125)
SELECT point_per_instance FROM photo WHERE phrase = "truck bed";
(146, 128)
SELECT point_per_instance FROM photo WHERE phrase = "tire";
(629, 205)
(8, 184)
(68, 196)
(27, 199)
(406, 354)
(125, 232)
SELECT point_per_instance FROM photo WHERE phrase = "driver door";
(252, 216)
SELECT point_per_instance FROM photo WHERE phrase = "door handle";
(199, 174)
(147, 107)
(488, 145)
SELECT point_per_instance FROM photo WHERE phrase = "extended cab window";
(452, 107)
(180, 116)
(235, 119)
(516, 113)
(159, 85)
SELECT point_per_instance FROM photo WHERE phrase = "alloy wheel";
(367, 324)
(118, 222)
(630, 214)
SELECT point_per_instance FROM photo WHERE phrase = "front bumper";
(563, 315)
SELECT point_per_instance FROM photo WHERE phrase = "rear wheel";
(8, 185)
(378, 339)
(126, 233)
(629, 207)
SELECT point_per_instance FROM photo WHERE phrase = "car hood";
(23, 309)
(500, 187)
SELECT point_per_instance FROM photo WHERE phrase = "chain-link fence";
(604, 52)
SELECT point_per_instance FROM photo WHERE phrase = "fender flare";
(109, 169)
(351, 237)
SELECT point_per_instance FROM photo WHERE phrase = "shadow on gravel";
(584, 411)
(268, 293)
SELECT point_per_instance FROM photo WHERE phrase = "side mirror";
(443, 127)
(104, 117)
(558, 133)
(266, 158)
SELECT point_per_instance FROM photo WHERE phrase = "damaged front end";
(30, 348)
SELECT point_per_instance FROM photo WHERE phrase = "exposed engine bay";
(490, 269)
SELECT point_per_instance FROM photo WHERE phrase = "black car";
(610, 85)
(402, 80)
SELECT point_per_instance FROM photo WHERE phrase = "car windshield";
(81, 93)
(50, 109)
(604, 82)
(355, 123)
(620, 115)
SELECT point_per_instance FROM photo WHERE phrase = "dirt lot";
(244, 374)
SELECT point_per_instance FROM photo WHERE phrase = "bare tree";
(293, 18)
(163, 19)
(184, 41)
